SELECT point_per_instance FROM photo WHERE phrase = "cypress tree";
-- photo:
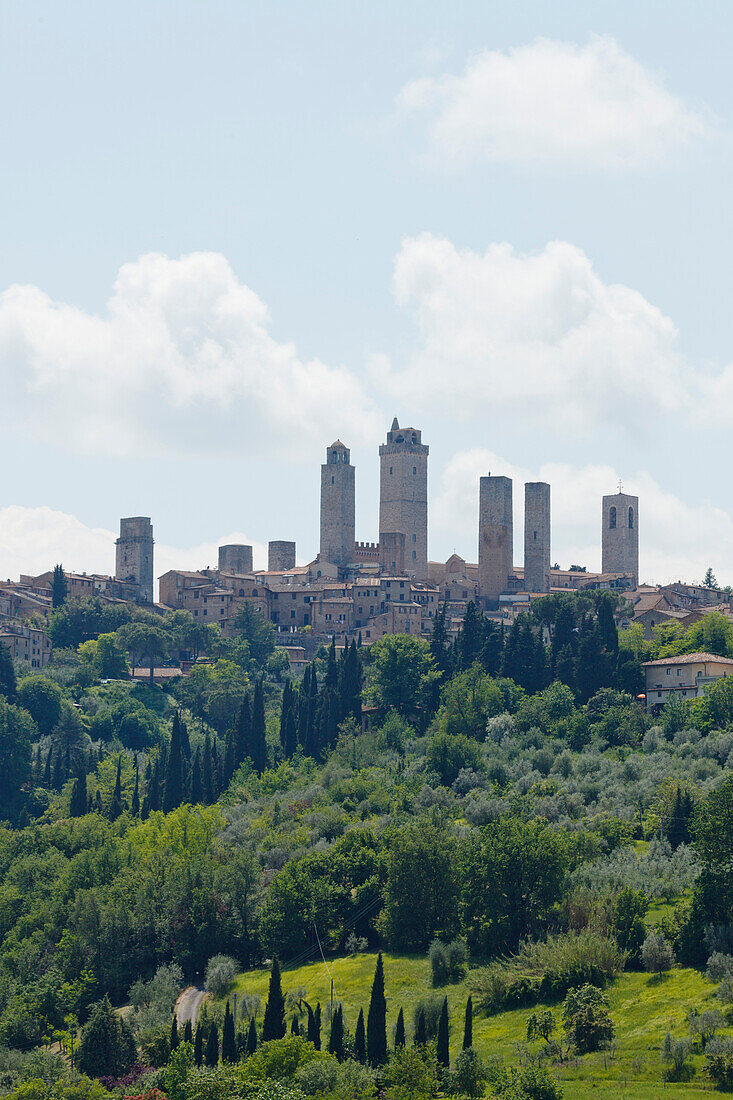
(59, 587)
(377, 1019)
(228, 1041)
(78, 801)
(439, 640)
(243, 732)
(336, 1038)
(229, 751)
(332, 676)
(273, 1025)
(188, 1032)
(47, 771)
(212, 1046)
(174, 772)
(421, 1031)
(303, 701)
(295, 1026)
(115, 806)
(360, 1039)
(57, 781)
(174, 1032)
(38, 766)
(98, 803)
(135, 808)
(442, 1052)
(7, 673)
(468, 1025)
(259, 744)
(317, 1027)
(252, 1037)
(285, 709)
(198, 1046)
(185, 742)
(197, 786)
(208, 777)
(399, 1035)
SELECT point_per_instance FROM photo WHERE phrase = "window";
(414, 538)
(535, 536)
(414, 470)
(669, 671)
(390, 471)
(631, 519)
(414, 553)
(612, 518)
(332, 480)
(292, 614)
(254, 591)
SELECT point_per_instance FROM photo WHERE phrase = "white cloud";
(533, 334)
(182, 361)
(677, 540)
(33, 540)
(589, 105)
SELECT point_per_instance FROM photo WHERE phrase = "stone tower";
(495, 537)
(134, 556)
(280, 556)
(537, 536)
(236, 559)
(338, 506)
(403, 495)
(620, 539)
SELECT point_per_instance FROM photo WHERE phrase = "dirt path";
(189, 1004)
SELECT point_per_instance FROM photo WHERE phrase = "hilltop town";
(366, 590)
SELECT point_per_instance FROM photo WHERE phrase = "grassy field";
(643, 1010)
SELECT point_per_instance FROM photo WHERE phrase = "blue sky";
(235, 231)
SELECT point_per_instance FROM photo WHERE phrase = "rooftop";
(691, 659)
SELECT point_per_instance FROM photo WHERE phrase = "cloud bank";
(550, 102)
(182, 361)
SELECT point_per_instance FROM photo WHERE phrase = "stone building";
(537, 536)
(134, 558)
(26, 643)
(338, 506)
(495, 537)
(620, 537)
(236, 559)
(403, 494)
(280, 556)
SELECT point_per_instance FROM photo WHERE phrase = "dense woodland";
(511, 815)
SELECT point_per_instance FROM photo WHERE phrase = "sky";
(235, 231)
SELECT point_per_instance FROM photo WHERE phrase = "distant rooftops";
(691, 659)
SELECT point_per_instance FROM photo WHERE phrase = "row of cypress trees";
(310, 718)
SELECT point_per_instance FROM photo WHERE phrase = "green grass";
(643, 1010)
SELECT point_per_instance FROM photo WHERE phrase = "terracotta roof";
(691, 659)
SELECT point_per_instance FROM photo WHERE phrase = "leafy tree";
(17, 731)
(273, 1026)
(83, 618)
(586, 1019)
(709, 580)
(360, 1039)
(41, 697)
(106, 1045)
(713, 843)
(419, 907)
(105, 657)
(468, 699)
(7, 673)
(657, 954)
(448, 755)
(468, 1025)
(256, 631)
(629, 910)
(541, 1025)
(442, 1050)
(176, 1073)
(401, 674)
(470, 1075)
(59, 587)
(677, 1054)
(376, 1032)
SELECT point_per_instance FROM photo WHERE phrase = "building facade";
(495, 537)
(403, 494)
(338, 506)
(620, 538)
(134, 557)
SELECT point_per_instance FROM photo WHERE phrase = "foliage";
(586, 1019)
(411, 1074)
(677, 1056)
(657, 954)
(106, 1045)
(469, 1077)
(220, 970)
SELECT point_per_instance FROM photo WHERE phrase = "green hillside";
(643, 1009)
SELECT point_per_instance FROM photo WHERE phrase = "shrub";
(676, 1054)
(411, 1074)
(532, 1083)
(547, 970)
(106, 1045)
(719, 1063)
(438, 963)
(431, 1007)
(704, 1025)
(448, 754)
(469, 1076)
(457, 952)
(317, 1077)
(354, 1081)
(587, 1023)
(657, 955)
(720, 966)
(280, 1059)
(220, 971)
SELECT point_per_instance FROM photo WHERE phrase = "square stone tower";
(280, 556)
(134, 555)
(537, 536)
(338, 506)
(495, 537)
(620, 537)
(403, 494)
(235, 558)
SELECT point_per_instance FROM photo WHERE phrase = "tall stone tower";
(338, 506)
(280, 556)
(403, 495)
(134, 556)
(537, 536)
(495, 537)
(235, 558)
(620, 538)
